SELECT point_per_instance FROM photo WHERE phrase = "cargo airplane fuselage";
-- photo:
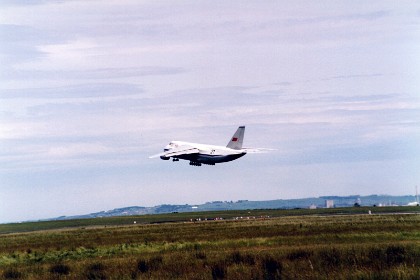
(199, 154)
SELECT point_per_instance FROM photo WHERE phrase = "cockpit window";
(171, 145)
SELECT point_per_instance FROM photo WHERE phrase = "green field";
(257, 244)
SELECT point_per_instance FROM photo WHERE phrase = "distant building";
(415, 203)
(313, 206)
(329, 203)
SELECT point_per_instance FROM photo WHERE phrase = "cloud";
(77, 150)
(324, 120)
(353, 76)
(88, 91)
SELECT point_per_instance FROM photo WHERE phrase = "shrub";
(330, 258)
(12, 274)
(218, 271)
(272, 268)
(200, 255)
(142, 266)
(60, 269)
(237, 258)
(151, 264)
(299, 255)
(248, 259)
(95, 271)
(96, 267)
(395, 255)
(155, 262)
(376, 258)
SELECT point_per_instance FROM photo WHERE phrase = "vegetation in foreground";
(289, 247)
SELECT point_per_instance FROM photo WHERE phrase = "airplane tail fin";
(237, 139)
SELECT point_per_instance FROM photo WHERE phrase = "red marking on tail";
(234, 139)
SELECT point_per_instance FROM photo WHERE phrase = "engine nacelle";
(164, 158)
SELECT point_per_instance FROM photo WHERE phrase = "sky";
(90, 89)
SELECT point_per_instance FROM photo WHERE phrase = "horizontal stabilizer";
(257, 150)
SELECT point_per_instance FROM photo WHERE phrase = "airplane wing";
(181, 150)
(257, 150)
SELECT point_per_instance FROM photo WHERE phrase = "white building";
(329, 203)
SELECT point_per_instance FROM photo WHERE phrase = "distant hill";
(313, 202)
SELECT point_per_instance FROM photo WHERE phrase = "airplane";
(199, 154)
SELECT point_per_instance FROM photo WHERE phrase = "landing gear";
(175, 159)
(199, 163)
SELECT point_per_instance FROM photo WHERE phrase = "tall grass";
(292, 247)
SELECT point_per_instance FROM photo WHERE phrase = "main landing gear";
(199, 163)
(175, 159)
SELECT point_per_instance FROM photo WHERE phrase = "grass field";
(264, 244)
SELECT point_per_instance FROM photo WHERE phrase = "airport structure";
(329, 203)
